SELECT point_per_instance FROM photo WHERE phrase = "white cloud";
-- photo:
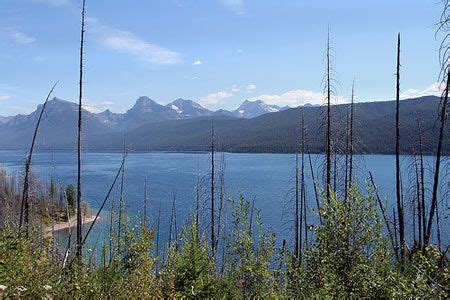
(235, 88)
(197, 63)
(4, 97)
(98, 106)
(92, 108)
(53, 2)
(236, 6)
(250, 88)
(296, 97)
(21, 38)
(435, 88)
(215, 98)
(239, 51)
(128, 42)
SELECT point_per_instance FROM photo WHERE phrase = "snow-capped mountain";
(187, 109)
(144, 111)
(3, 119)
(252, 109)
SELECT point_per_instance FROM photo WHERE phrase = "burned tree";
(401, 223)
(25, 211)
(213, 237)
(80, 98)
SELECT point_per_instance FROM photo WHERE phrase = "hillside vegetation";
(271, 132)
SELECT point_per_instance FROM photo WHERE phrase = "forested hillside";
(278, 132)
(275, 132)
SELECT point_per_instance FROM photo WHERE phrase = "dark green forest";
(278, 132)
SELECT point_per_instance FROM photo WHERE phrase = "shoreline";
(66, 225)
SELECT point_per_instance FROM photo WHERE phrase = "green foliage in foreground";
(346, 257)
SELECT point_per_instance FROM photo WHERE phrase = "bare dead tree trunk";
(121, 206)
(395, 232)
(335, 172)
(302, 179)
(349, 153)
(122, 165)
(158, 223)
(173, 226)
(79, 219)
(352, 116)
(111, 228)
(213, 237)
(175, 220)
(197, 202)
(397, 159)
(422, 182)
(221, 197)
(145, 204)
(252, 210)
(383, 212)
(414, 221)
(328, 129)
(300, 222)
(437, 167)
(347, 150)
(438, 228)
(313, 177)
(305, 221)
(418, 204)
(24, 211)
(297, 211)
(282, 254)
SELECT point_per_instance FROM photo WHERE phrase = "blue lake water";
(267, 178)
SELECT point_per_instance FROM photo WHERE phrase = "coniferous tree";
(71, 197)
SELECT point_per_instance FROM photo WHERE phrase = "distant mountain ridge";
(252, 109)
(4, 119)
(184, 125)
(146, 110)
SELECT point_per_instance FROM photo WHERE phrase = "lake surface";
(267, 178)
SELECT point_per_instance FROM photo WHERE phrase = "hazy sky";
(217, 52)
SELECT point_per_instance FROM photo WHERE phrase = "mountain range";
(184, 125)
(146, 110)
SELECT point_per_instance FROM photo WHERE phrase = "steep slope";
(109, 118)
(146, 111)
(58, 127)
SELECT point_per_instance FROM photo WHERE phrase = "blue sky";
(217, 52)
